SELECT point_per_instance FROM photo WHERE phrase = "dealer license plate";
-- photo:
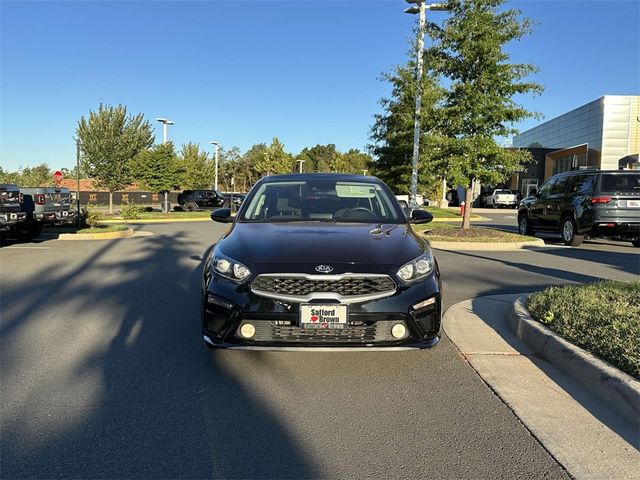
(329, 316)
(633, 203)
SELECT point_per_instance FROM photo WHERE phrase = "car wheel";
(636, 242)
(568, 230)
(493, 205)
(190, 207)
(524, 226)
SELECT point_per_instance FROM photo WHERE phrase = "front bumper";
(226, 307)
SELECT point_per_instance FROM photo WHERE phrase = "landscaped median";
(603, 318)
(101, 232)
(158, 217)
(445, 236)
(592, 333)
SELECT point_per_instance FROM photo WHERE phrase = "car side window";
(560, 186)
(584, 185)
(546, 188)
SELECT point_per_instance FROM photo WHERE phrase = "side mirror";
(420, 216)
(222, 215)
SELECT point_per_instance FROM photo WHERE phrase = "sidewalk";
(577, 429)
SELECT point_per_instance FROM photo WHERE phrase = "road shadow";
(140, 396)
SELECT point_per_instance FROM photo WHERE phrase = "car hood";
(322, 243)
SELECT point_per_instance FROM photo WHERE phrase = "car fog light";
(247, 330)
(398, 330)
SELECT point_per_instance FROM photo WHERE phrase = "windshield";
(321, 200)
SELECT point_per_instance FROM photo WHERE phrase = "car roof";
(347, 177)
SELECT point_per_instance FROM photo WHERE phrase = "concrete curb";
(447, 220)
(616, 388)
(157, 220)
(503, 246)
(97, 236)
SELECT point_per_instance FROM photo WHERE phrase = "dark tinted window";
(621, 182)
(561, 185)
(584, 184)
(546, 188)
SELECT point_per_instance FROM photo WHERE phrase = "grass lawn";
(446, 232)
(602, 317)
(100, 229)
(438, 212)
(161, 215)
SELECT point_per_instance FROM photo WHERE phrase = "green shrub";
(90, 218)
(602, 317)
(130, 211)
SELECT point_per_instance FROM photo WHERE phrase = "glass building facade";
(604, 133)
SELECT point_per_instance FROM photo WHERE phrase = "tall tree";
(479, 102)
(196, 170)
(274, 160)
(321, 158)
(156, 170)
(353, 161)
(392, 131)
(37, 176)
(110, 138)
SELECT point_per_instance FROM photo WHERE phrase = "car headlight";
(416, 269)
(229, 268)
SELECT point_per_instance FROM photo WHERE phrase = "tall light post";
(215, 146)
(420, 8)
(78, 180)
(300, 162)
(164, 123)
(364, 172)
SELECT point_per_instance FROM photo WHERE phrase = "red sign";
(57, 177)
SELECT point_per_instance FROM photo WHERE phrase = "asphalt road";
(104, 375)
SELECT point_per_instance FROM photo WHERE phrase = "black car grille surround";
(372, 332)
(297, 287)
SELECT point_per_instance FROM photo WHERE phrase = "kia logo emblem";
(324, 268)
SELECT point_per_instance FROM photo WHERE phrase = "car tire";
(29, 233)
(524, 225)
(190, 207)
(636, 243)
(493, 205)
(568, 231)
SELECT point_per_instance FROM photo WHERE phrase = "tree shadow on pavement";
(124, 387)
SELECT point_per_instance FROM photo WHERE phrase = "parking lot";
(104, 373)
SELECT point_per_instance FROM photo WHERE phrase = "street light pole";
(364, 172)
(164, 123)
(78, 181)
(421, 9)
(300, 162)
(215, 144)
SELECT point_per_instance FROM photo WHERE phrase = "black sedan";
(321, 260)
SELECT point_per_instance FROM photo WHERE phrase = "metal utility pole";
(300, 162)
(364, 172)
(78, 180)
(421, 9)
(215, 145)
(164, 123)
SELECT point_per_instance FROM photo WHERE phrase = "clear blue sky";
(242, 72)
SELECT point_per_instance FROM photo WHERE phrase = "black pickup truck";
(11, 212)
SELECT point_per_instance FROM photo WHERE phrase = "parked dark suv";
(192, 200)
(11, 211)
(585, 202)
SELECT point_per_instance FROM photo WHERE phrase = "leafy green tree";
(274, 160)
(353, 161)
(196, 170)
(156, 170)
(478, 106)
(40, 175)
(392, 131)
(9, 177)
(110, 138)
(321, 158)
